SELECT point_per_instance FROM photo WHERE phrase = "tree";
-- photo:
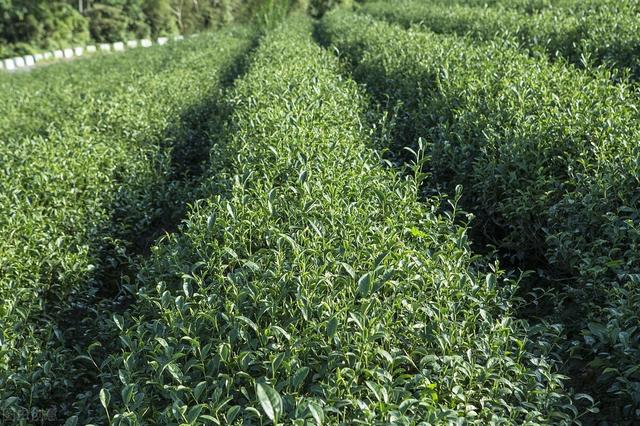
(41, 24)
(106, 23)
(160, 17)
(115, 20)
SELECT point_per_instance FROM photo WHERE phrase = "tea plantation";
(407, 213)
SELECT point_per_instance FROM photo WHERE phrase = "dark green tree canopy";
(27, 26)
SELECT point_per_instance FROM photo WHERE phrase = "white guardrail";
(29, 61)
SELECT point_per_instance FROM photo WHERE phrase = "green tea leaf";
(299, 376)
(332, 326)
(71, 421)
(364, 285)
(270, 401)
(197, 391)
(232, 413)
(316, 412)
(105, 398)
(127, 393)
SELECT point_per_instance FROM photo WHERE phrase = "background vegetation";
(29, 26)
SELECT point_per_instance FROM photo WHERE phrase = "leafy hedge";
(92, 162)
(526, 6)
(596, 33)
(27, 26)
(314, 286)
(548, 160)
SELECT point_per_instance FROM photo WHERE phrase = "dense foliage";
(603, 32)
(547, 156)
(415, 215)
(25, 24)
(314, 286)
(93, 164)
(29, 26)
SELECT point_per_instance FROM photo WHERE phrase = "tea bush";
(314, 286)
(93, 158)
(588, 33)
(548, 160)
(322, 267)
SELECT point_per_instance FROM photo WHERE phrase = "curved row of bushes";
(42, 101)
(533, 6)
(548, 160)
(314, 286)
(605, 33)
(91, 163)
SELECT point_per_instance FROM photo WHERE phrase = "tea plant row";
(589, 33)
(12, 64)
(319, 276)
(93, 158)
(548, 159)
(314, 286)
